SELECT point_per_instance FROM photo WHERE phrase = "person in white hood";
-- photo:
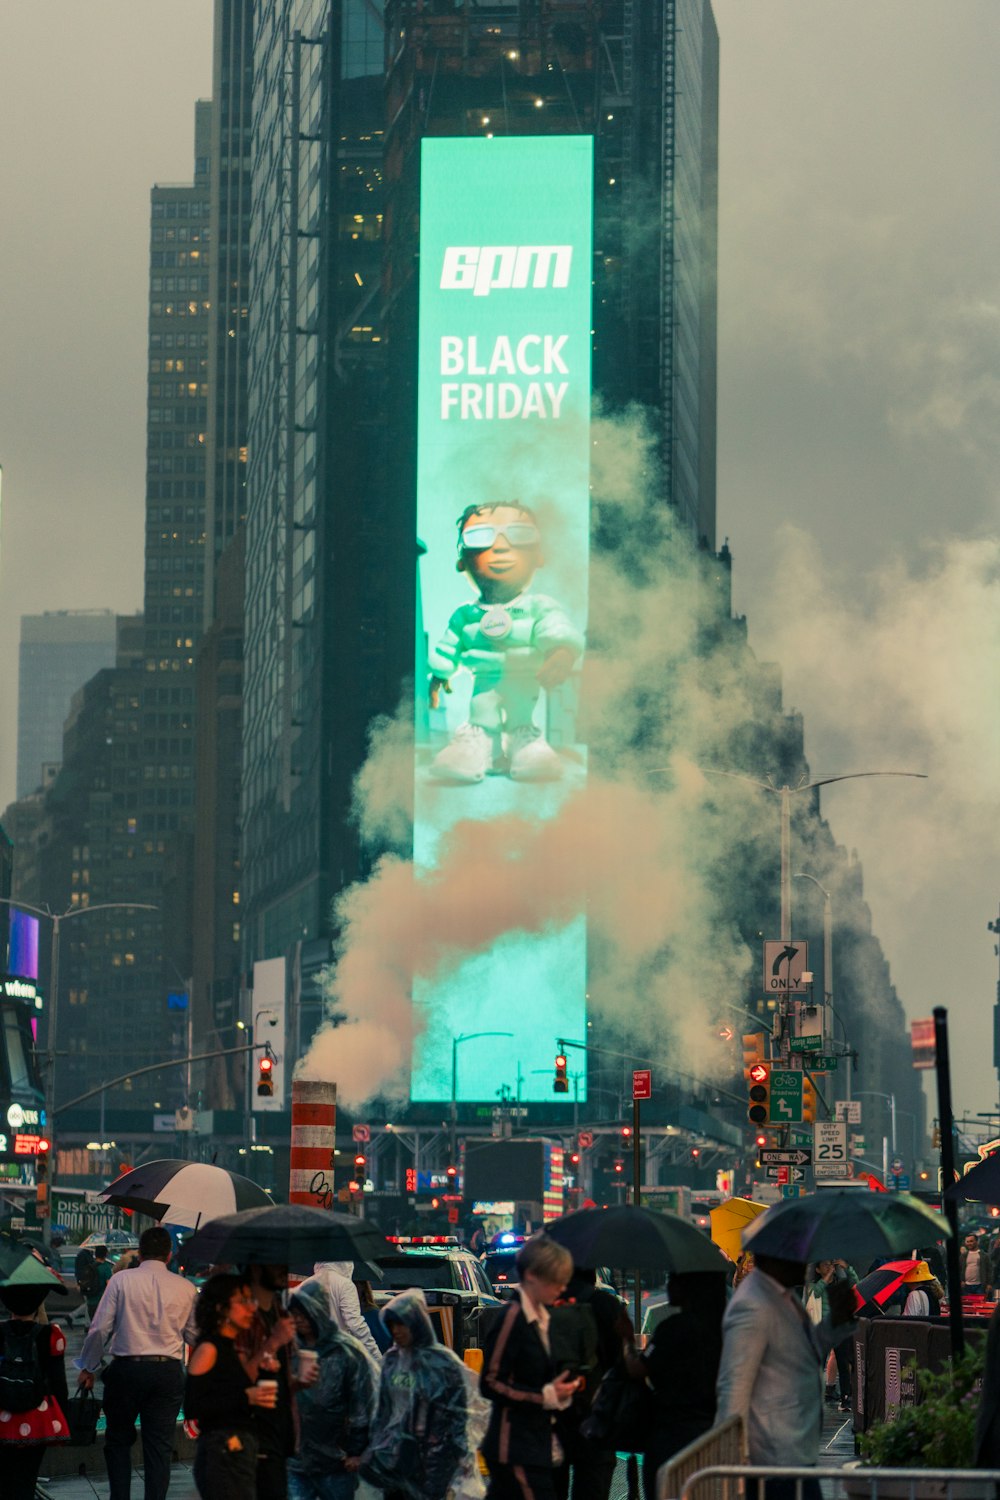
(345, 1306)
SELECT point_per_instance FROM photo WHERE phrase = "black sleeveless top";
(218, 1399)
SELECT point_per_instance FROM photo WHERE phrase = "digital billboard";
(22, 945)
(503, 519)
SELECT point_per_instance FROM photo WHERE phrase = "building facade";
(316, 670)
(59, 651)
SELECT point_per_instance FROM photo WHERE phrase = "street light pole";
(57, 919)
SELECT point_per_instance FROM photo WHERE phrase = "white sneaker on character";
(532, 758)
(467, 757)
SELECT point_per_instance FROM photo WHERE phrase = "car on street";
(459, 1296)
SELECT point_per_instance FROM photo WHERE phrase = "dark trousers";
(521, 1482)
(225, 1472)
(272, 1477)
(590, 1468)
(149, 1391)
(20, 1466)
(843, 1353)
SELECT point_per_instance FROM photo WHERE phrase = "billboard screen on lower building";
(503, 515)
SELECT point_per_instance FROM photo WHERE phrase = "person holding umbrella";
(771, 1371)
(681, 1366)
(520, 1378)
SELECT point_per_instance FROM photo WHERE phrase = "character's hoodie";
(334, 1414)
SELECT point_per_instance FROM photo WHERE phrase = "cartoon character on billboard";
(513, 641)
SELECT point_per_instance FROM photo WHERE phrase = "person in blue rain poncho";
(421, 1446)
(335, 1413)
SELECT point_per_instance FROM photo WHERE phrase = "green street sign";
(824, 1063)
(806, 1043)
(786, 1097)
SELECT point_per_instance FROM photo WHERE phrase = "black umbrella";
(287, 1234)
(850, 1222)
(184, 1193)
(637, 1239)
(981, 1183)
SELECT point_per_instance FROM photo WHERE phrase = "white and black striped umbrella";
(184, 1193)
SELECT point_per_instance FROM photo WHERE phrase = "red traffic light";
(451, 1173)
(761, 1141)
(560, 1061)
(360, 1161)
(266, 1064)
(43, 1145)
(759, 1073)
(560, 1084)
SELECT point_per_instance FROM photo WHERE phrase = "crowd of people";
(304, 1394)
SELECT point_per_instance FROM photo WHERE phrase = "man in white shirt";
(143, 1320)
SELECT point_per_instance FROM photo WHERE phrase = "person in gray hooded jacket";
(335, 1413)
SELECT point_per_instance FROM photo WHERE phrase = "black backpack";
(23, 1376)
(85, 1270)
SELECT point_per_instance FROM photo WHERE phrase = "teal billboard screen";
(503, 513)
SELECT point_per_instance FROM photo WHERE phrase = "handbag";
(82, 1413)
(622, 1412)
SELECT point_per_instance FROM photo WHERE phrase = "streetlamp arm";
(173, 1062)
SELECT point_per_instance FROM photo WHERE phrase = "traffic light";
(936, 1137)
(759, 1111)
(360, 1171)
(42, 1160)
(626, 1132)
(452, 1175)
(560, 1084)
(619, 1168)
(265, 1078)
(753, 1052)
(808, 1099)
(760, 1140)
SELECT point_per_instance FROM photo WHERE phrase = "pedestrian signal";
(759, 1111)
(753, 1052)
(265, 1078)
(560, 1084)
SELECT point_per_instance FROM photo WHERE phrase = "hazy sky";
(858, 399)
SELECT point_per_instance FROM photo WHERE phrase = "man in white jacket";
(345, 1307)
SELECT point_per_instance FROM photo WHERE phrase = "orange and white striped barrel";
(314, 1138)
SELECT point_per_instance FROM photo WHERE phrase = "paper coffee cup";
(308, 1360)
(268, 1385)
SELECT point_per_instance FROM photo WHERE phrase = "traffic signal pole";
(942, 1068)
(637, 1203)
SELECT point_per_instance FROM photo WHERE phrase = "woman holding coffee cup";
(219, 1393)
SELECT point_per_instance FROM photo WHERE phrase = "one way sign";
(794, 1158)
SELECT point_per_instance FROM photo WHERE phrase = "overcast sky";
(858, 399)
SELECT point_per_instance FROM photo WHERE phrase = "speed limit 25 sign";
(829, 1142)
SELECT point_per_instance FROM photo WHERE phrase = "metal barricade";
(851, 1482)
(722, 1445)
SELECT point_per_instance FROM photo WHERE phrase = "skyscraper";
(59, 651)
(316, 668)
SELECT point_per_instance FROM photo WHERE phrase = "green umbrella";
(20, 1266)
(636, 1239)
(852, 1223)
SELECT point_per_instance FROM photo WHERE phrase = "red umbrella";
(880, 1286)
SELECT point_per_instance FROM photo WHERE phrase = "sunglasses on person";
(480, 537)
